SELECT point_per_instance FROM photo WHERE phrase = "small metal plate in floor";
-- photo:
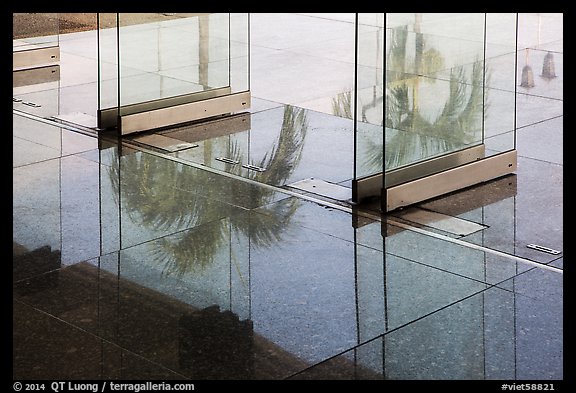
(324, 188)
(443, 222)
(164, 142)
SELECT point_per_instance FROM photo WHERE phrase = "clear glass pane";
(170, 55)
(239, 52)
(447, 93)
(149, 61)
(434, 85)
(369, 121)
(107, 61)
(500, 92)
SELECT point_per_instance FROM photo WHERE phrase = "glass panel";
(369, 133)
(449, 92)
(166, 55)
(500, 92)
(150, 61)
(107, 61)
(34, 31)
(434, 85)
(239, 52)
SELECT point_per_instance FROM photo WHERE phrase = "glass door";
(369, 106)
(158, 70)
(444, 105)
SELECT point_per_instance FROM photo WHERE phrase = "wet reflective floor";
(136, 263)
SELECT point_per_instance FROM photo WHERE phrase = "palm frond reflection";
(186, 210)
(424, 108)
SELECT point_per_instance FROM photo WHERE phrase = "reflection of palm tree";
(170, 198)
(193, 250)
(283, 159)
(412, 134)
(342, 105)
(285, 154)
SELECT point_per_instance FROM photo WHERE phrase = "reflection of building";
(216, 345)
(198, 344)
(39, 261)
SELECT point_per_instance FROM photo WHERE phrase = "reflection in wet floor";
(135, 262)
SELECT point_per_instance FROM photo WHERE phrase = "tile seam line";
(406, 324)
(398, 328)
(311, 199)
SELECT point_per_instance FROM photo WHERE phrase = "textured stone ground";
(39, 24)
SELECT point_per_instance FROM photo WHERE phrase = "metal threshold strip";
(344, 208)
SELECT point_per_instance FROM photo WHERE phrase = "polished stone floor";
(135, 264)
